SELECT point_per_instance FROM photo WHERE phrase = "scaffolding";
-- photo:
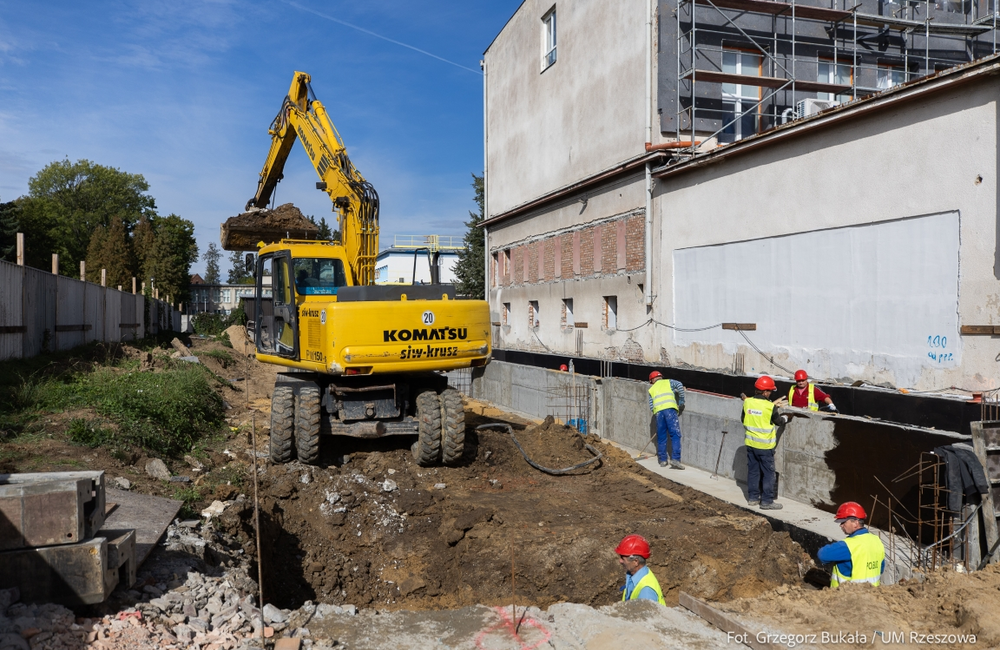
(792, 41)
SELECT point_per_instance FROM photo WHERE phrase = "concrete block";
(73, 574)
(121, 554)
(49, 508)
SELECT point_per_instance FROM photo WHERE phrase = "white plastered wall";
(890, 217)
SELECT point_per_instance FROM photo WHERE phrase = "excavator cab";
(276, 331)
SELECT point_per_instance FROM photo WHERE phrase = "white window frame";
(834, 73)
(549, 39)
(890, 76)
(743, 98)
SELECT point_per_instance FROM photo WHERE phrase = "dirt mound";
(379, 530)
(946, 603)
(244, 231)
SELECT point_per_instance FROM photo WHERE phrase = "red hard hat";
(764, 383)
(801, 375)
(634, 545)
(564, 367)
(653, 376)
(850, 509)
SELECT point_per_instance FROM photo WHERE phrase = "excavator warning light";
(320, 185)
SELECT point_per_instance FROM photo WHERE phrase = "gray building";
(858, 242)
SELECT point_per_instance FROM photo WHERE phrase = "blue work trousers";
(760, 464)
(668, 421)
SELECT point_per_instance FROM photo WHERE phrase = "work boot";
(676, 464)
(753, 503)
(771, 506)
(663, 463)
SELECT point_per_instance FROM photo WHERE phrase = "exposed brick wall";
(635, 243)
(587, 251)
(549, 258)
(531, 271)
(566, 241)
(517, 261)
(609, 248)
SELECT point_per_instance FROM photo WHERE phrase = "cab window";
(318, 276)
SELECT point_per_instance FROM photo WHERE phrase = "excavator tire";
(307, 416)
(427, 448)
(282, 424)
(452, 427)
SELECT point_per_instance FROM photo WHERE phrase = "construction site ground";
(436, 557)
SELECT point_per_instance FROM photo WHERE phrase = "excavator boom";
(303, 117)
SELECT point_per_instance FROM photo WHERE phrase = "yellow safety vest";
(867, 554)
(813, 406)
(648, 580)
(760, 432)
(662, 395)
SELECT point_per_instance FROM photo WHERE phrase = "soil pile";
(369, 527)
(244, 231)
(946, 603)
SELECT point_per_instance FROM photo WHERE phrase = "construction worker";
(858, 558)
(666, 401)
(563, 368)
(804, 394)
(761, 421)
(640, 583)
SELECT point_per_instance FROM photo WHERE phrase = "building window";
(610, 312)
(740, 112)
(567, 313)
(505, 270)
(506, 313)
(493, 270)
(833, 73)
(533, 314)
(890, 75)
(549, 39)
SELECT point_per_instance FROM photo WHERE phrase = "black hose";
(548, 470)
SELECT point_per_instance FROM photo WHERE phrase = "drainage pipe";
(647, 287)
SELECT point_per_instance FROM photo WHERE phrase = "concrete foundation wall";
(820, 459)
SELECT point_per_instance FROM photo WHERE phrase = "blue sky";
(182, 92)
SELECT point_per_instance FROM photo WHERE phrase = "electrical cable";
(548, 470)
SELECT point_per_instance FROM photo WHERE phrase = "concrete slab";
(72, 575)
(50, 508)
(148, 515)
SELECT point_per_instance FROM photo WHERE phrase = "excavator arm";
(304, 118)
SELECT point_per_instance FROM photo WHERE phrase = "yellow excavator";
(364, 360)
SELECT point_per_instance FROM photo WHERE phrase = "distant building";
(221, 298)
(395, 265)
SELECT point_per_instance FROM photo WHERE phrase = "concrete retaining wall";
(820, 459)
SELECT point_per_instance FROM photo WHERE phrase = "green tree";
(472, 259)
(212, 256)
(166, 249)
(9, 227)
(70, 201)
(325, 233)
(111, 249)
(238, 270)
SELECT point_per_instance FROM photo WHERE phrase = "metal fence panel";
(11, 311)
(126, 316)
(39, 312)
(95, 313)
(71, 316)
(112, 316)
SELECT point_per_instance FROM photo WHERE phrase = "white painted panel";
(883, 293)
(11, 311)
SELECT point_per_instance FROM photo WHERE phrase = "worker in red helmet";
(860, 557)
(564, 368)
(805, 394)
(666, 401)
(761, 420)
(640, 583)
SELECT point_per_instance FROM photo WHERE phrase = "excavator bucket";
(244, 231)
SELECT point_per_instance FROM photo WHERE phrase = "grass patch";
(223, 357)
(189, 495)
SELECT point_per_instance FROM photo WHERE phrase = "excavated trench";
(377, 530)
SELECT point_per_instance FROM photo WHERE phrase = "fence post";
(20, 249)
(55, 263)
(133, 286)
(83, 271)
(104, 277)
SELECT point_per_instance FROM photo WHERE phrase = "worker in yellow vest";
(666, 401)
(640, 583)
(761, 421)
(858, 558)
(805, 394)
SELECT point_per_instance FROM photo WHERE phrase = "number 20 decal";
(427, 318)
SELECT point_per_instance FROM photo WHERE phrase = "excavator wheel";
(427, 448)
(282, 424)
(452, 427)
(307, 415)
